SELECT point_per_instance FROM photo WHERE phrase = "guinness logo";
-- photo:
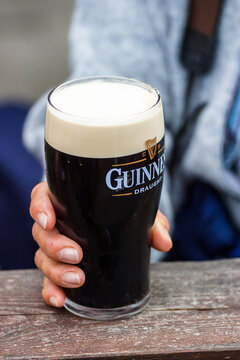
(151, 145)
(140, 175)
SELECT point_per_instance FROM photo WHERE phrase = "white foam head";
(103, 117)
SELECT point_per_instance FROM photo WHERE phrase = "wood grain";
(194, 314)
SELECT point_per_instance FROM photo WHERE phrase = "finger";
(41, 208)
(163, 220)
(57, 246)
(161, 239)
(52, 294)
(68, 276)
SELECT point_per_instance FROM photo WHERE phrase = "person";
(148, 41)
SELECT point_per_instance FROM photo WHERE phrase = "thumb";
(161, 239)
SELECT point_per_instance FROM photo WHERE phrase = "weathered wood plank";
(166, 332)
(194, 314)
(196, 285)
(189, 285)
(20, 293)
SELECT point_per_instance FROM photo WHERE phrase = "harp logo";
(151, 145)
(139, 175)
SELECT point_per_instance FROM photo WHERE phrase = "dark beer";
(105, 195)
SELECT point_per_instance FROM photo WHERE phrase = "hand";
(57, 253)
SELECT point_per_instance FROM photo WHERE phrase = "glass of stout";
(104, 148)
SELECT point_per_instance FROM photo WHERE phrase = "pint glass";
(104, 148)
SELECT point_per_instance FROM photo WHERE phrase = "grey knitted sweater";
(142, 39)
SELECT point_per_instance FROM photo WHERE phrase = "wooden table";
(194, 314)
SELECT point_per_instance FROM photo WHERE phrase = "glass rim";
(107, 78)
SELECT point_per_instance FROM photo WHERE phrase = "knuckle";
(35, 190)
(50, 272)
(35, 231)
(42, 264)
(30, 210)
(35, 207)
(49, 245)
(38, 259)
(36, 204)
(45, 281)
(43, 293)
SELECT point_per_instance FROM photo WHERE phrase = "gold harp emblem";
(151, 145)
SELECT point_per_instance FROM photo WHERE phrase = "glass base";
(107, 314)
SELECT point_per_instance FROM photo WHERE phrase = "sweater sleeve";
(33, 130)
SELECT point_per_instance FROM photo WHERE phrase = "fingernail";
(165, 234)
(53, 301)
(71, 277)
(42, 220)
(69, 254)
